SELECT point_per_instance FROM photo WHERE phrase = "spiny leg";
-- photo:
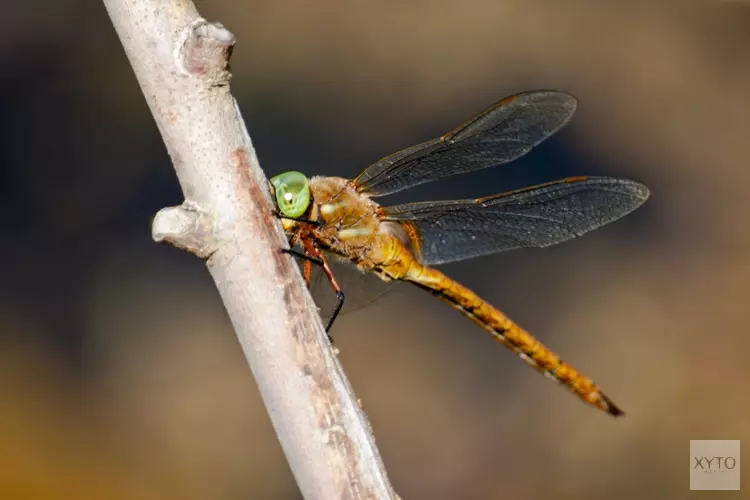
(319, 261)
(313, 256)
(309, 261)
(313, 251)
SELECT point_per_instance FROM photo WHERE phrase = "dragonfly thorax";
(353, 225)
(341, 206)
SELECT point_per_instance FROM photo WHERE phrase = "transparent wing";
(537, 216)
(500, 134)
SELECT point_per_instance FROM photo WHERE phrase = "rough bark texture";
(181, 62)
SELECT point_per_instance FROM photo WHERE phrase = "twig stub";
(187, 227)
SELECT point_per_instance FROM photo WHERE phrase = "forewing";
(537, 216)
(500, 134)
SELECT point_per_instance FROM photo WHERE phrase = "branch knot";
(204, 50)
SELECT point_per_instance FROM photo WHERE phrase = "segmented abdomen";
(510, 334)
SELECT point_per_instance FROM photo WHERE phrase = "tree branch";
(181, 62)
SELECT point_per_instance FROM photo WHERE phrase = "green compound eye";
(292, 193)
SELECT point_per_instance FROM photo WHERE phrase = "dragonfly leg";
(296, 219)
(319, 259)
(307, 272)
(313, 260)
(313, 251)
(309, 261)
(340, 297)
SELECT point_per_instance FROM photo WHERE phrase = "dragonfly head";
(292, 192)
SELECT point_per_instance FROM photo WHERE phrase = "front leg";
(307, 266)
(315, 223)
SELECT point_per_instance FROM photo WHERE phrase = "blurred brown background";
(122, 379)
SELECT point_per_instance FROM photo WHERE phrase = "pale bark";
(180, 61)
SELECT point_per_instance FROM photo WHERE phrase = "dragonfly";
(335, 217)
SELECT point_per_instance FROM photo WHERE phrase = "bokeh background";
(120, 377)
